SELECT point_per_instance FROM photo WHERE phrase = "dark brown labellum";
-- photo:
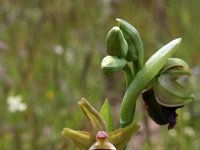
(162, 115)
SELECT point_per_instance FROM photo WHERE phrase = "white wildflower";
(15, 104)
(58, 49)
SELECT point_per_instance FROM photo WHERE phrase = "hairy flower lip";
(160, 114)
(152, 107)
(170, 114)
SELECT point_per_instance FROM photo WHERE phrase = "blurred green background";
(50, 56)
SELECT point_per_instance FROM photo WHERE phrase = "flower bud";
(116, 43)
(112, 64)
(135, 46)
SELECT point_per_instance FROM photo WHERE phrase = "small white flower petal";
(15, 104)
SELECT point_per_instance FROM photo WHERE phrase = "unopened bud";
(116, 43)
(112, 64)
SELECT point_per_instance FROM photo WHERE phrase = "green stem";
(140, 51)
(135, 67)
(129, 75)
(143, 78)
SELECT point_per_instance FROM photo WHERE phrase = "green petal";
(107, 115)
(173, 86)
(96, 121)
(176, 64)
(122, 136)
(170, 93)
(83, 140)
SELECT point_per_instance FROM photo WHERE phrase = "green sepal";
(83, 140)
(176, 67)
(116, 43)
(96, 121)
(106, 114)
(171, 93)
(122, 136)
(173, 86)
(113, 64)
